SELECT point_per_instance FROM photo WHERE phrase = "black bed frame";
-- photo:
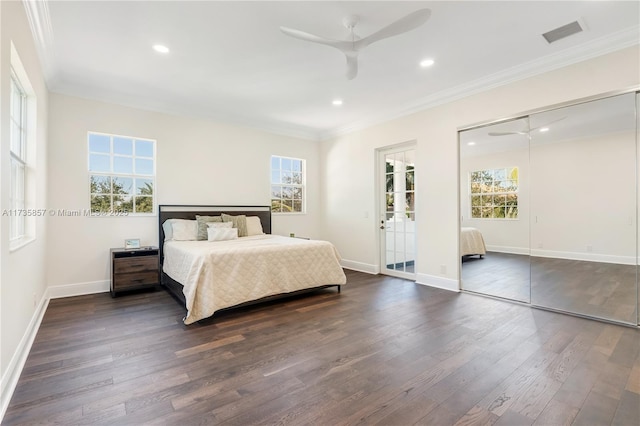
(175, 211)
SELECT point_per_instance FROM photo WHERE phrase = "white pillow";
(168, 229)
(254, 226)
(184, 230)
(222, 234)
(220, 224)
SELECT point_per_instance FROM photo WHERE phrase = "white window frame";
(111, 174)
(277, 180)
(18, 160)
(509, 187)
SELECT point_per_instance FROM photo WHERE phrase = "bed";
(471, 242)
(208, 276)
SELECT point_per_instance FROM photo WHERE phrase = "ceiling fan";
(351, 48)
(525, 132)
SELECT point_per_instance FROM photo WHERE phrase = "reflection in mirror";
(583, 209)
(494, 235)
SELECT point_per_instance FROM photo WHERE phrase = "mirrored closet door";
(494, 202)
(584, 209)
(554, 195)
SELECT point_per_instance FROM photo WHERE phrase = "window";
(18, 159)
(494, 193)
(121, 174)
(287, 185)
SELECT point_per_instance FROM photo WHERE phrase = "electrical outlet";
(443, 269)
(589, 248)
(35, 300)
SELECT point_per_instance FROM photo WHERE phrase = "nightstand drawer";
(123, 281)
(134, 269)
(136, 264)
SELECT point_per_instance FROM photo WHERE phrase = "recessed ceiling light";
(472, 143)
(544, 129)
(160, 48)
(425, 63)
(337, 102)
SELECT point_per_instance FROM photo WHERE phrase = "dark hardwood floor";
(384, 351)
(601, 290)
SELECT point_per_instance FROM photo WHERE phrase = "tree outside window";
(121, 173)
(287, 185)
(494, 193)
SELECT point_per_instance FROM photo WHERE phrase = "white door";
(397, 212)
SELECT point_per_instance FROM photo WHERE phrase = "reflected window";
(287, 185)
(121, 174)
(494, 193)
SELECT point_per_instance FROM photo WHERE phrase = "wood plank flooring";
(602, 290)
(385, 351)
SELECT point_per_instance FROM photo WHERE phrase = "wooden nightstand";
(134, 269)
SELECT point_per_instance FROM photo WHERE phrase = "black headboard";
(175, 211)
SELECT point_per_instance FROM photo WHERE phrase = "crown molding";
(40, 23)
(602, 46)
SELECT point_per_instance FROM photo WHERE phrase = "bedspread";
(222, 274)
(471, 242)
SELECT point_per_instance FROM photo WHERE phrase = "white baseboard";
(438, 282)
(360, 267)
(78, 289)
(14, 369)
(588, 257)
(511, 250)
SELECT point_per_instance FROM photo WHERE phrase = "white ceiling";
(229, 61)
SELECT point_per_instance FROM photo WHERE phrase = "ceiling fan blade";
(352, 66)
(549, 123)
(402, 25)
(506, 133)
(314, 38)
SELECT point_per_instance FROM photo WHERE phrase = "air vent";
(562, 32)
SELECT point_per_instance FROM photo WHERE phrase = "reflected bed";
(471, 242)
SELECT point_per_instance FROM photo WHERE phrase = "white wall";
(349, 168)
(198, 162)
(22, 271)
(583, 199)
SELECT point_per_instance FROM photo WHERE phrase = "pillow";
(254, 226)
(222, 234)
(167, 227)
(202, 225)
(184, 230)
(227, 225)
(239, 221)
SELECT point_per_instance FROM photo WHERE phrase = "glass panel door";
(398, 222)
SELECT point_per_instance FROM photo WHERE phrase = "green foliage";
(494, 193)
(109, 194)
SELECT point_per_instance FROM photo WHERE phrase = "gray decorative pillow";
(239, 221)
(202, 225)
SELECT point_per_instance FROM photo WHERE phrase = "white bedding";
(221, 274)
(471, 242)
